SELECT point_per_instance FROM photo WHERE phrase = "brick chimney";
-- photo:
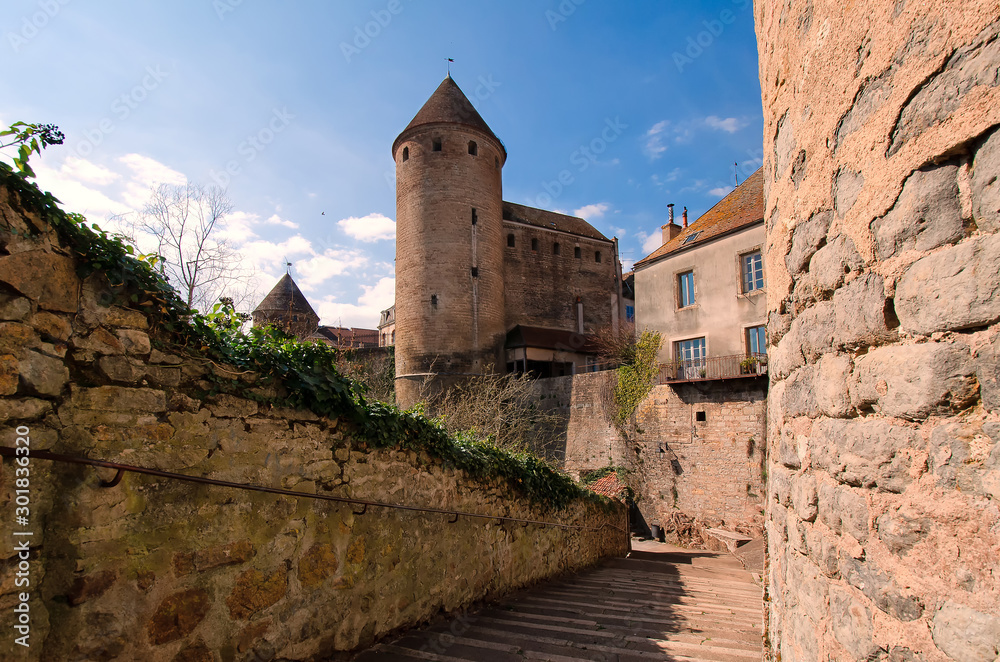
(671, 229)
(685, 217)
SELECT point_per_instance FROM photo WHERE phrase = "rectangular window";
(630, 314)
(756, 340)
(690, 357)
(685, 282)
(752, 267)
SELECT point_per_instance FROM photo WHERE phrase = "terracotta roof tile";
(743, 206)
(610, 486)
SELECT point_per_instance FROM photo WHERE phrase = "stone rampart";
(157, 569)
(882, 153)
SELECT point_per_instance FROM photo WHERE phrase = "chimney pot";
(685, 217)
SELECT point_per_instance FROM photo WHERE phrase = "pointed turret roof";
(285, 297)
(449, 105)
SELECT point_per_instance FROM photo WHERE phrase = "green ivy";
(636, 379)
(305, 373)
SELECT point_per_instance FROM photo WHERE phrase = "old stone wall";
(158, 569)
(882, 207)
(709, 470)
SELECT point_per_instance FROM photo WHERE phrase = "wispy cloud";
(720, 191)
(592, 211)
(373, 300)
(277, 220)
(654, 146)
(373, 227)
(651, 242)
(728, 124)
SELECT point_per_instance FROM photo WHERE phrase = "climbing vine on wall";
(633, 381)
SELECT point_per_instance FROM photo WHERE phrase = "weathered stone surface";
(229, 406)
(828, 506)
(48, 279)
(42, 375)
(15, 336)
(853, 513)
(986, 185)
(50, 326)
(125, 318)
(831, 385)
(317, 564)
(973, 65)
(253, 591)
(846, 188)
(799, 396)
(163, 376)
(987, 362)
(900, 530)
(955, 288)
(805, 498)
(879, 587)
(926, 215)
(23, 409)
(852, 623)
(966, 634)
(178, 615)
(9, 375)
(807, 238)
(869, 100)
(833, 262)
(196, 652)
(91, 586)
(865, 453)
(213, 557)
(961, 457)
(134, 341)
(100, 341)
(784, 146)
(914, 381)
(156, 356)
(14, 308)
(118, 398)
(788, 452)
(861, 315)
(123, 369)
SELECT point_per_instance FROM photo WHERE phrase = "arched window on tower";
(473, 148)
(406, 153)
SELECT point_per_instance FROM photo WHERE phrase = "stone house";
(484, 284)
(387, 327)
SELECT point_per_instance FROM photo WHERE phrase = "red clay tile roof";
(449, 105)
(742, 207)
(609, 486)
(550, 220)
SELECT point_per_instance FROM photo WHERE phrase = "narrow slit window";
(576, 252)
(406, 153)
(475, 272)
(436, 145)
(510, 241)
(434, 300)
(555, 248)
(534, 244)
(597, 256)
(685, 283)
(473, 148)
(474, 217)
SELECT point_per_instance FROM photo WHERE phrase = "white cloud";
(151, 172)
(720, 191)
(277, 220)
(373, 227)
(365, 311)
(592, 211)
(652, 242)
(654, 146)
(85, 171)
(332, 262)
(729, 124)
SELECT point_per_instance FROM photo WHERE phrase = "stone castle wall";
(157, 569)
(709, 470)
(883, 254)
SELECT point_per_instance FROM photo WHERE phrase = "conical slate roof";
(450, 105)
(285, 297)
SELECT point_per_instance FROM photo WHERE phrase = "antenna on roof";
(736, 172)
(450, 60)
(288, 268)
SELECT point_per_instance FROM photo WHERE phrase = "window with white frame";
(752, 266)
(690, 357)
(685, 284)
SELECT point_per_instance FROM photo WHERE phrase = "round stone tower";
(449, 251)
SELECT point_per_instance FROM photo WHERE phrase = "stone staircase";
(661, 603)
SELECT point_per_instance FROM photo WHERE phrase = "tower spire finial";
(450, 60)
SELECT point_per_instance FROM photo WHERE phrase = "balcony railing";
(713, 367)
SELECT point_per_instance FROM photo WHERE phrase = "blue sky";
(640, 103)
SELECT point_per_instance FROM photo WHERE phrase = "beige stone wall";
(156, 569)
(708, 470)
(882, 155)
(721, 312)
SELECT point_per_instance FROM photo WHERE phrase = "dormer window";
(406, 153)
(473, 148)
(436, 145)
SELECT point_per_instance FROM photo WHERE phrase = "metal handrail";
(713, 367)
(6, 451)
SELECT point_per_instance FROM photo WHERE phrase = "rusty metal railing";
(121, 469)
(713, 367)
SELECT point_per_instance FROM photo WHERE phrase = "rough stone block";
(805, 498)
(253, 591)
(23, 409)
(14, 308)
(9, 375)
(851, 623)
(44, 277)
(927, 214)
(831, 385)
(156, 356)
(162, 376)
(125, 318)
(15, 336)
(812, 587)
(121, 369)
(100, 341)
(953, 289)
(807, 237)
(51, 326)
(91, 586)
(118, 399)
(799, 394)
(134, 341)
(229, 406)
(834, 262)
(987, 362)
(900, 530)
(879, 587)
(42, 375)
(914, 381)
(316, 565)
(853, 513)
(966, 634)
(861, 314)
(178, 615)
(865, 453)
(986, 185)
(847, 187)
(828, 506)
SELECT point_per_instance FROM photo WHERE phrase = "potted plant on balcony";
(748, 366)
